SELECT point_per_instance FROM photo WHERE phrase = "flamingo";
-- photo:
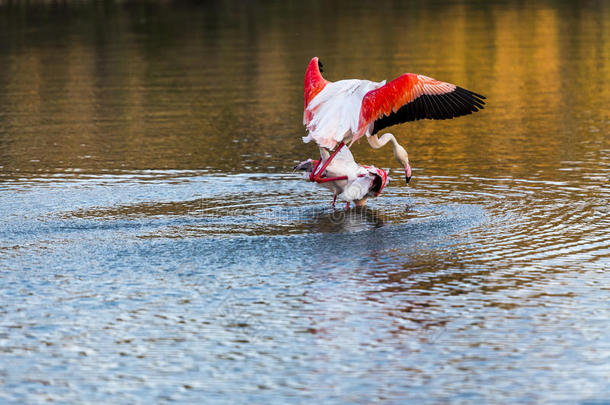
(344, 177)
(340, 113)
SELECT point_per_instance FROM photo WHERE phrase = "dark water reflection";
(155, 245)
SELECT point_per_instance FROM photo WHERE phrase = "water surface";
(156, 246)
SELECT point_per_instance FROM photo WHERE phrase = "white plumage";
(336, 111)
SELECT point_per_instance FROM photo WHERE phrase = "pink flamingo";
(339, 113)
(344, 177)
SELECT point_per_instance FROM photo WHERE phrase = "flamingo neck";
(377, 142)
(400, 154)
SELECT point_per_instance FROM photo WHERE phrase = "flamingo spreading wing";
(344, 111)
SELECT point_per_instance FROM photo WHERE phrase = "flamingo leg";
(347, 206)
(327, 179)
(334, 200)
(313, 172)
(317, 176)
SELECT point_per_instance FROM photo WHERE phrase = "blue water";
(155, 245)
(190, 289)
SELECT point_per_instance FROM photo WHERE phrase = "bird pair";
(346, 179)
(339, 113)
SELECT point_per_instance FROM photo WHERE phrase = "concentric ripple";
(221, 266)
(155, 246)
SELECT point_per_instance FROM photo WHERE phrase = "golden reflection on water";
(222, 90)
(497, 251)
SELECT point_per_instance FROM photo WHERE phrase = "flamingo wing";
(412, 97)
(314, 82)
(333, 113)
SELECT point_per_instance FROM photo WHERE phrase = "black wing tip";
(456, 103)
(471, 94)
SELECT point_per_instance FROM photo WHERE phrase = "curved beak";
(407, 173)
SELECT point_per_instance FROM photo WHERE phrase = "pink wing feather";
(314, 83)
(412, 97)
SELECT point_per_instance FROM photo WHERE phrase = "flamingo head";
(407, 173)
(402, 157)
(306, 165)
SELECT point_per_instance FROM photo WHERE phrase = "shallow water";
(156, 246)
